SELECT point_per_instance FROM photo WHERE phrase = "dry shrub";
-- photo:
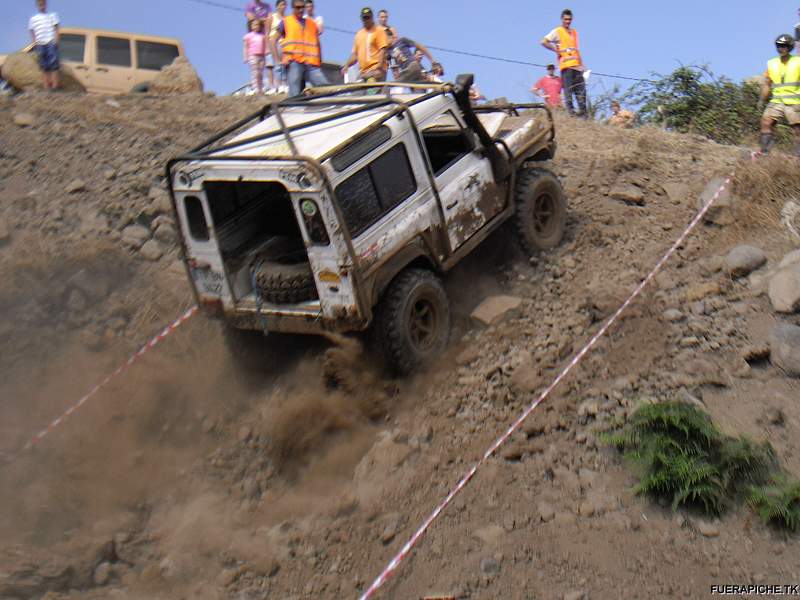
(763, 188)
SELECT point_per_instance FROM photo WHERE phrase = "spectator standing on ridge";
(621, 118)
(317, 19)
(781, 92)
(797, 32)
(564, 42)
(302, 56)
(277, 60)
(383, 21)
(44, 33)
(369, 49)
(260, 11)
(403, 58)
(549, 88)
(255, 51)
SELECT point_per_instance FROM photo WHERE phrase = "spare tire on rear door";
(283, 274)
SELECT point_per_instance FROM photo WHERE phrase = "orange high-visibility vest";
(301, 43)
(568, 54)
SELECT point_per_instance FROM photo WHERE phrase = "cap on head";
(785, 40)
(366, 12)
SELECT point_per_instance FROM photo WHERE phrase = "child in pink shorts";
(255, 49)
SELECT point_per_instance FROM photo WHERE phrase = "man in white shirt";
(44, 33)
(316, 18)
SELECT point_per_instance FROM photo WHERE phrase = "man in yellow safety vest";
(781, 91)
(564, 42)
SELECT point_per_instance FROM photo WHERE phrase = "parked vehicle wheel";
(6, 89)
(141, 88)
(541, 210)
(412, 324)
(283, 274)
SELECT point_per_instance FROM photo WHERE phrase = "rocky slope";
(185, 480)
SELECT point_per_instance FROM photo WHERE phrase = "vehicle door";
(112, 71)
(74, 51)
(463, 177)
(151, 57)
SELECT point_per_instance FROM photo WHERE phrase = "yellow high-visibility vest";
(785, 79)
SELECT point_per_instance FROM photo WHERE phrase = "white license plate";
(208, 281)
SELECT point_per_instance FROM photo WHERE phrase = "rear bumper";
(306, 320)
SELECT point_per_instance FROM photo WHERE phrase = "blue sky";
(622, 37)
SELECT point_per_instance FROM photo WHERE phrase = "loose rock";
(24, 120)
(784, 345)
(722, 211)
(151, 250)
(75, 186)
(493, 309)
(743, 260)
(784, 289)
(629, 193)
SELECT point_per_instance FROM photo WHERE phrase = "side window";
(115, 52)
(154, 56)
(445, 142)
(359, 202)
(376, 189)
(72, 47)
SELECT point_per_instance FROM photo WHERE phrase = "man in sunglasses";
(369, 50)
(781, 92)
(302, 56)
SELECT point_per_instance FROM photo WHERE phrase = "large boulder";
(177, 78)
(784, 289)
(784, 344)
(21, 70)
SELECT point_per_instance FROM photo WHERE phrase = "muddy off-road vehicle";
(340, 210)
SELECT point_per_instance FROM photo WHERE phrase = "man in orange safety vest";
(564, 42)
(302, 56)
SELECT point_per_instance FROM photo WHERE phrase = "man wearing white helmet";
(781, 92)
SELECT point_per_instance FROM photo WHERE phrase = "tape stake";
(393, 565)
(119, 371)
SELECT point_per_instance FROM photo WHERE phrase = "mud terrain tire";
(541, 210)
(283, 274)
(412, 324)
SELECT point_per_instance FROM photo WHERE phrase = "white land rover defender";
(340, 210)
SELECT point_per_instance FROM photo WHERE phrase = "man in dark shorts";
(402, 58)
(44, 33)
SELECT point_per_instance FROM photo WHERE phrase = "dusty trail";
(186, 479)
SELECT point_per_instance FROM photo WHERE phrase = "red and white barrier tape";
(120, 370)
(389, 570)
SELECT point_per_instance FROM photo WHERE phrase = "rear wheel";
(141, 88)
(541, 210)
(412, 326)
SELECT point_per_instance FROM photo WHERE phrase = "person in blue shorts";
(44, 33)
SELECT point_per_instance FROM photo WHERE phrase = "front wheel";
(541, 210)
(412, 326)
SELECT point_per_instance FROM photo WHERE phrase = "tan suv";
(113, 62)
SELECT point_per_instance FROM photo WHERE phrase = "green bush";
(686, 460)
(778, 503)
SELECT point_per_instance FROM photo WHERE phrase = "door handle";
(81, 68)
(101, 69)
(449, 206)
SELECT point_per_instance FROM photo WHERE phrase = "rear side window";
(154, 56)
(115, 52)
(373, 191)
(72, 46)
(196, 218)
(360, 148)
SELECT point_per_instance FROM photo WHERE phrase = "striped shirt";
(43, 26)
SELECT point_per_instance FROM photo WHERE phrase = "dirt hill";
(185, 478)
